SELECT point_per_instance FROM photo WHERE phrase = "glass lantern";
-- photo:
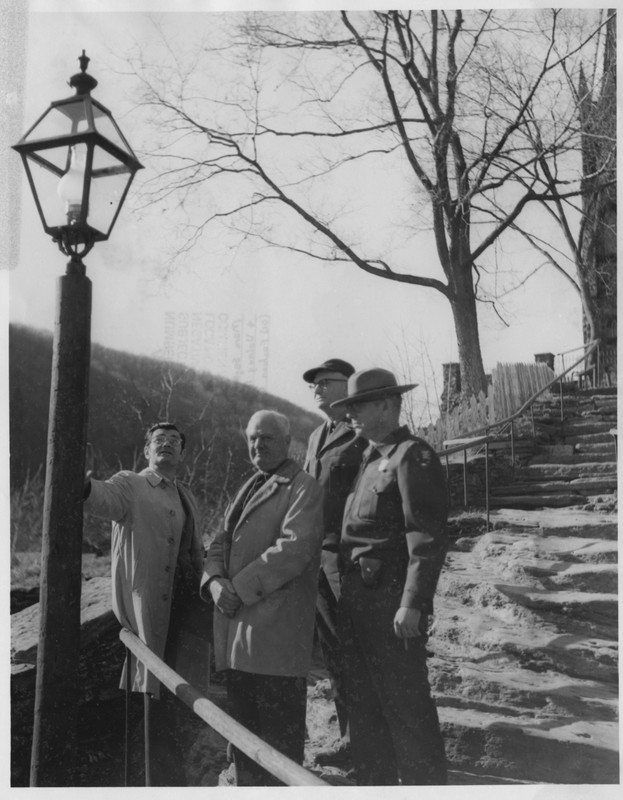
(79, 166)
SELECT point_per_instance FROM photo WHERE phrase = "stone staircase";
(525, 648)
(574, 462)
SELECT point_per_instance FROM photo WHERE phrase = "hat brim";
(374, 394)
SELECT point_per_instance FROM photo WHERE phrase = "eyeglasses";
(325, 382)
(161, 439)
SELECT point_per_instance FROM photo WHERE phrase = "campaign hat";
(372, 384)
(331, 365)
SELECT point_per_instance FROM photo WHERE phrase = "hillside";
(127, 394)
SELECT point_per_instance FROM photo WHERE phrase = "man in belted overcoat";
(261, 571)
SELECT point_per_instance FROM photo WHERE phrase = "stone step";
(552, 449)
(598, 606)
(582, 486)
(583, 407)
(606, 414)
(599, 392)
(531, 487)
(594, 447)
(582, 577)
(582, 469)
(596, 485)
(564, 531)
(585, 751)
(599, 402)
(506, 687)
(584, 426)
(487, 627)
(537, 501)
(588, 438)
(573, 458)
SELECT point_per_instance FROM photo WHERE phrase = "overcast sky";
(293, 313)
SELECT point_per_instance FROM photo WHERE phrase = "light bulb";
(70, 186)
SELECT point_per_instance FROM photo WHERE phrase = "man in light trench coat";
(261, 572)
(156, 564)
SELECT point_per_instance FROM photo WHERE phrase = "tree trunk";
(463, 304)
(597, 275)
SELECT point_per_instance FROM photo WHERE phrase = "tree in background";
(586, 255)
(596, 255)
(357, 137)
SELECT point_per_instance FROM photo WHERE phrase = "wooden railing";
(282, 767)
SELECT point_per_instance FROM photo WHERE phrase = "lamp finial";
(81, 81)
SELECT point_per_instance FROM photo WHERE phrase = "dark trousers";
(394, 726)
(326, 627)
(273, 707)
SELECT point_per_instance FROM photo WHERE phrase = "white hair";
(280, 420)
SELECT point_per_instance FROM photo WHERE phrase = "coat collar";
(282, 476)
(392, 440)
(154, 478)
(341, 430)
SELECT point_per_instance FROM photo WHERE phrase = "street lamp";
(79, 167)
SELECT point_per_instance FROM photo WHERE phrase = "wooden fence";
(511, 386)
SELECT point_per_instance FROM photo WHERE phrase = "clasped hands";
(406, 620)
(224, 596)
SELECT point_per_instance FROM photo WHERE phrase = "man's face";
(327, 387)
(164, 448)
(367, 418)
(268, 446)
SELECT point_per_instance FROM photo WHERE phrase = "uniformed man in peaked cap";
(393, 543)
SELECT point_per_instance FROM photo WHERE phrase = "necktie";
(260, 480)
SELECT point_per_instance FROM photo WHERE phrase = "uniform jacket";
(333, 459)
(270, 550)
(397, 513)
(152, 552)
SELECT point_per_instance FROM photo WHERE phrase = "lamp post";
(79, 167)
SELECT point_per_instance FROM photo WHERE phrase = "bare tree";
(585, 253)
(376, 132)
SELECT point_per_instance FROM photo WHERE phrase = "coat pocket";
(376, 495)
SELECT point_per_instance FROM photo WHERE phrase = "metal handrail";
(500, 424)
(282, 767)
